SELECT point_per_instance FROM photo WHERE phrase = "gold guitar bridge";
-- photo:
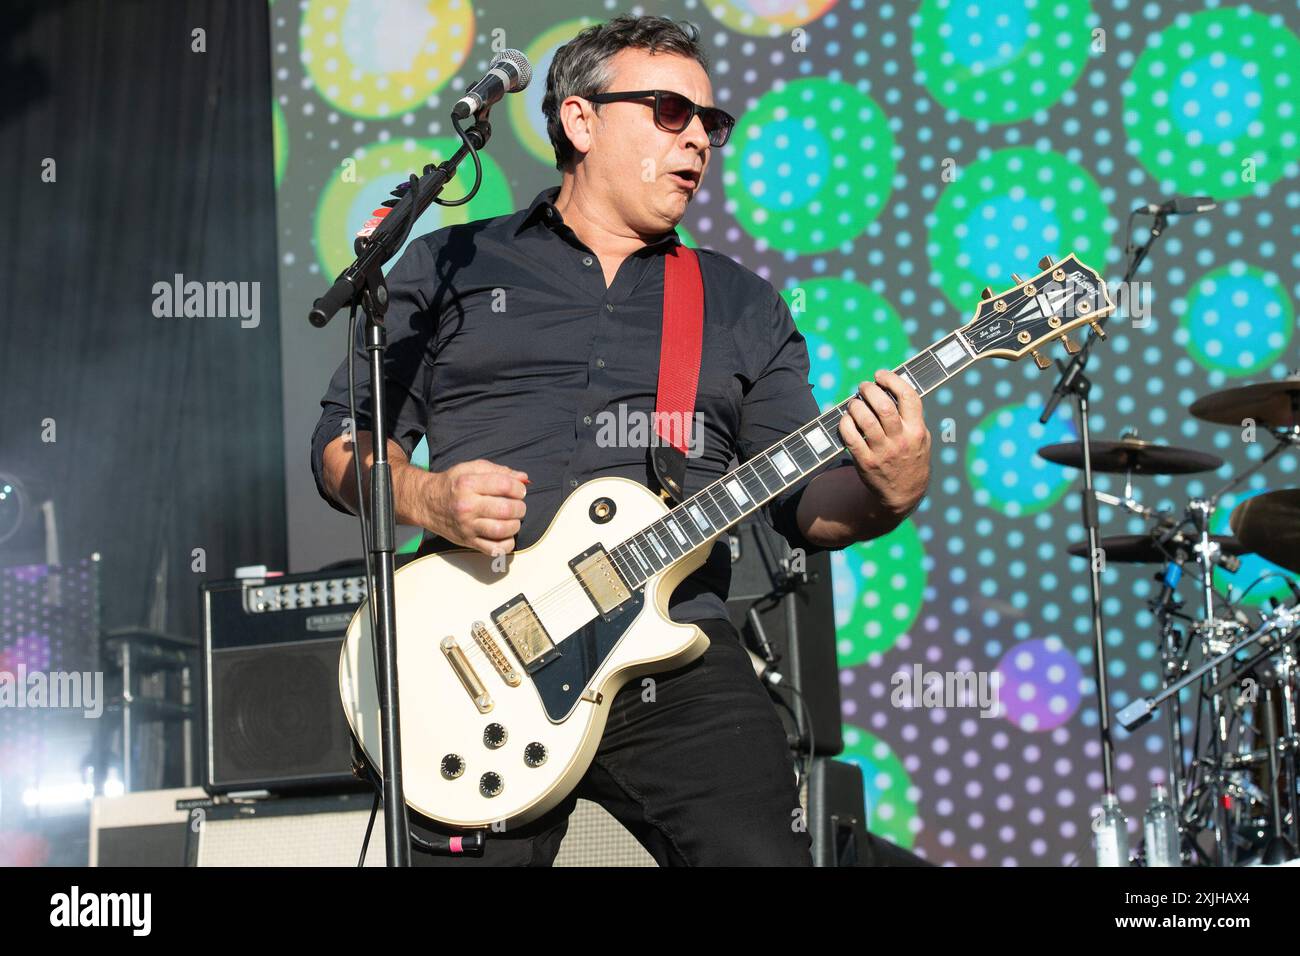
(483, 638)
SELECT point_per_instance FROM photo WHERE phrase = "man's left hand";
(889, 442)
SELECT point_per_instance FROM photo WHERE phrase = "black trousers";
(699, 771)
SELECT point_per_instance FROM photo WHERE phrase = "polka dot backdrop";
(891, 160)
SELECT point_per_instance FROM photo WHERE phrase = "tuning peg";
(1041, 360)
(1016, 278)
(987, 293)
(1071, 346)
(1101, 333)
(1045, 263)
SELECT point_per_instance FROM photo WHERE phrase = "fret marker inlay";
(783, 463)
(700, 520)
(817, 438)
(737, 492)
(951, 353)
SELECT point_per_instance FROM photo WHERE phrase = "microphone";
(1181, 206)
(510, 72)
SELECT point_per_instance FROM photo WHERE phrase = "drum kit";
(1235, 779)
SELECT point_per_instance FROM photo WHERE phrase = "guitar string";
(571, 589)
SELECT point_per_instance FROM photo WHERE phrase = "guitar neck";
(744, 490)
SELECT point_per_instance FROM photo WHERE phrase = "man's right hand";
(478, 504)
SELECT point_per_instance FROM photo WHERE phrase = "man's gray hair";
(581, 66)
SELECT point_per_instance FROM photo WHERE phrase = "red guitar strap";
(679, 367)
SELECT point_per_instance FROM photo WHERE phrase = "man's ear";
(577, 116)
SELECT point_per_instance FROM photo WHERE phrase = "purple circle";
(1039, 685)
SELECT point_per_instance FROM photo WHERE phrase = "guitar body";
(507, 667)
(461, 718)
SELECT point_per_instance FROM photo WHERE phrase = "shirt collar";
(542, 209)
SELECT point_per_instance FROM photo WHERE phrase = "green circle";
(525, 108)
(889, 794)
(389, 164)
(887, 588)
(374, 59)
(1210, 105)
(857, 326)
(1199, 346)
(1009, 476)
(975, 206)
(279, 142)
(1016, 72)
(810, 165)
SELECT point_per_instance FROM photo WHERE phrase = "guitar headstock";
(1062, 297)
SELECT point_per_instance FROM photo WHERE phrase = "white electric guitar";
(506, 678)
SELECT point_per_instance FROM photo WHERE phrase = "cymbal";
(1270, 525)
(1268, 404)
(1143, 549)
(1133, 455)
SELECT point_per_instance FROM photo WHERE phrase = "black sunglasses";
(674, 112)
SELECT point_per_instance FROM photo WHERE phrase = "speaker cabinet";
(142, 829)
(799, 625)
(837, 814)
(272, 717)
(299, 831)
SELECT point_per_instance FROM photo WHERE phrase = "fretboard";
(744, 490)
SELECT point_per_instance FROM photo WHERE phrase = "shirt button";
(550, 213)
(573, 482)
(586, 260)
(586, 419)
(609, 306)
(600, 363)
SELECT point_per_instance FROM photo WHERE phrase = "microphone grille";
(521, 65)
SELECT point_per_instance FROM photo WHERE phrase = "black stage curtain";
(167, 431)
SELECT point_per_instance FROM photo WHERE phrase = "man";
(513, 339)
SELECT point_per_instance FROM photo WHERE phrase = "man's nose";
(694, 134)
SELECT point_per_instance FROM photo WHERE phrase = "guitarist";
(514, 343)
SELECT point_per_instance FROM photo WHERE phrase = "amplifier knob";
(452, 766)
(494, 736)
(490, 784)
(535, 754)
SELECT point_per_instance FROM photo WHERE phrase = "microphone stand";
(363, 283)
(1075, 384)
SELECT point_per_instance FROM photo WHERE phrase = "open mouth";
(687, 179)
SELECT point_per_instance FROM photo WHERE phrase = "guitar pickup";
(517, 620)
(600, 579)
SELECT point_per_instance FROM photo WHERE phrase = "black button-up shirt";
(505, 344)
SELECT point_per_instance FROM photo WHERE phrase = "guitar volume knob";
(490, 784)
(453, 765)
(535, 754)
(494, 736)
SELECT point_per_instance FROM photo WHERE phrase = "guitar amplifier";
(145, 828)
(272, 717)
(300, 831)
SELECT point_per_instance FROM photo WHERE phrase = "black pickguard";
(581, 655)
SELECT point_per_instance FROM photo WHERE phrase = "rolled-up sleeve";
(779, 402)
(410, 326)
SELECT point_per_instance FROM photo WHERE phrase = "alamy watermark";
(947, 689)
(209, 300)
(57, 690)
(622, 427)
